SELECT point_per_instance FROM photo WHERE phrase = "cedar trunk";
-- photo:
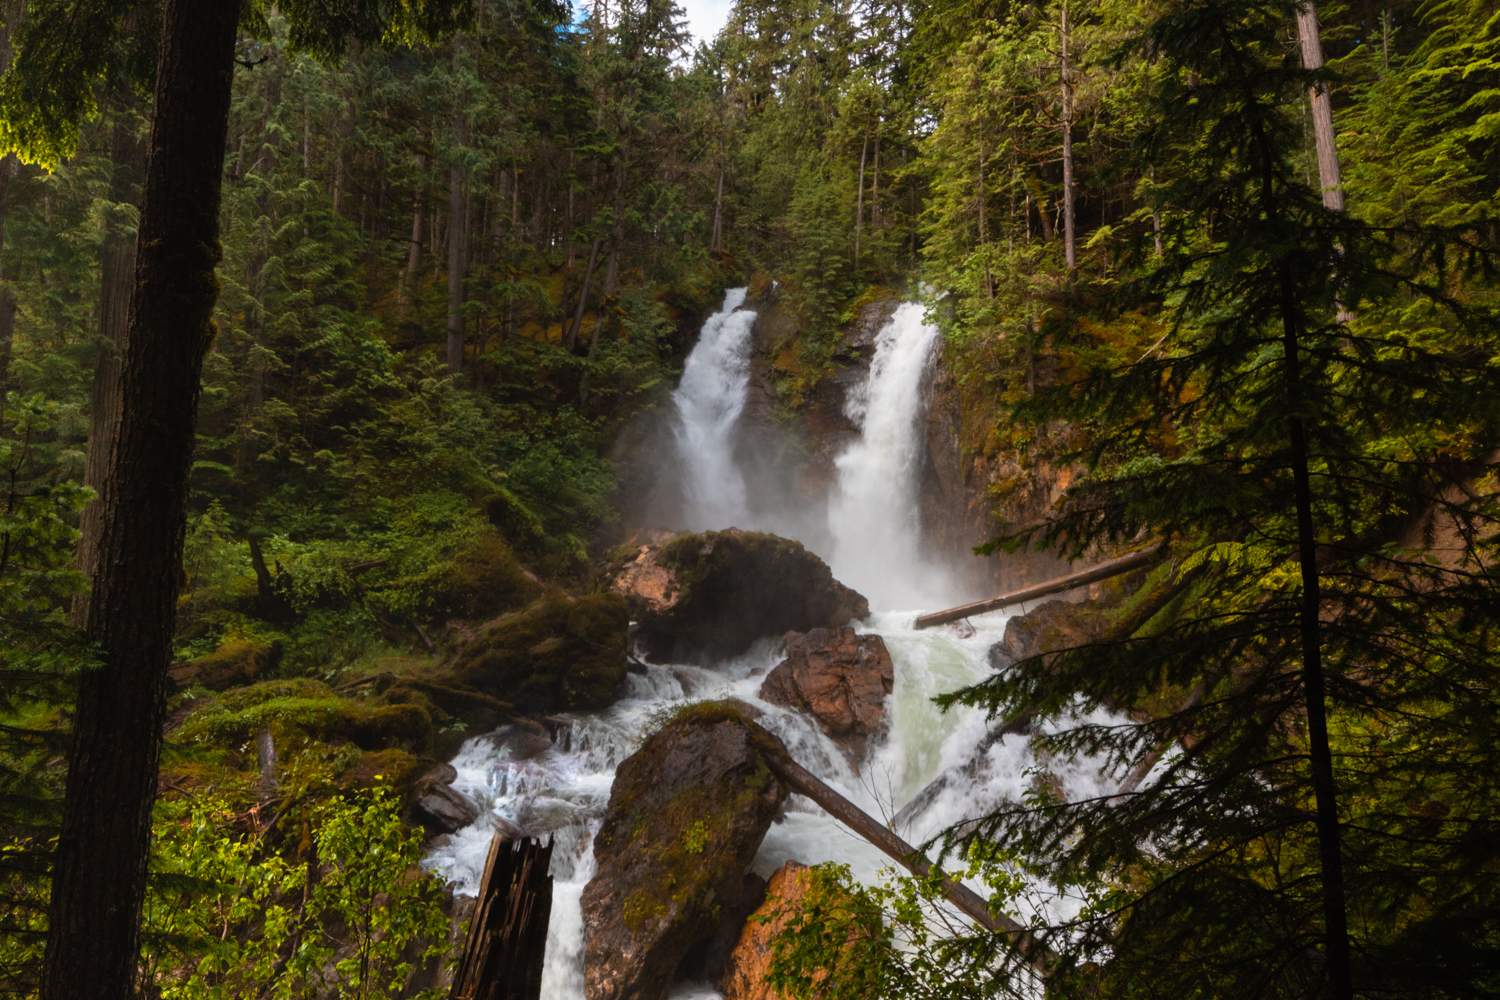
(100, 862)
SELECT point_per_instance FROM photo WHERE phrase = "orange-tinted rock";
(840, 678)
(744, 975)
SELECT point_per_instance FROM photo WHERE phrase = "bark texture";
(100, 862)
(116, 269)
(1329, 175)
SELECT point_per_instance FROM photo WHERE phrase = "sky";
(706, 17)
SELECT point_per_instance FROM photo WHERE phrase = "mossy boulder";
(235, 663)
(300, 712)
(686, 815)
(485, 582)
(700, 596)
(559, 653)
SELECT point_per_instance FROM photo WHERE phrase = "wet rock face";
(840, 678)
(1048, 627)
(437, 806)
(744, 975)
(687, 812)
(713, 594)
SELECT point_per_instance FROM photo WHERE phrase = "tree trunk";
(99, 868)
(716, 242)
(1070, 250)
(571, 340)
(859, 200)
(9, 167)
(617, 231)
(1325, 789)
(455, 263)
(1329, 174)
(1320, 755)
(116, 269)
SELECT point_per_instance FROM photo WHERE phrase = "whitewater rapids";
(875, 534)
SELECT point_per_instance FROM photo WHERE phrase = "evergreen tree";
(1293, 644)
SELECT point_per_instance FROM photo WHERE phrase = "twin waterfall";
(872, 543)
(873, 524)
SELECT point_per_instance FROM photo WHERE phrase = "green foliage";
(39, 655)
(841, 940)
(225, 919)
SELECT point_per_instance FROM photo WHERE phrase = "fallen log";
(856, 819)
(1103, 571)
(507, 941)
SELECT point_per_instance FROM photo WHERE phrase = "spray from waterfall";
(709, 401)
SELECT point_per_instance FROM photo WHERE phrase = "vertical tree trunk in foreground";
(457, 230)
(1320, 753)
(1329, 174)
(100, 863)
(571, 340)
(859, 201)
(507, 944)
(455, 270)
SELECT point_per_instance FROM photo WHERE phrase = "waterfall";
(872, 514)
(709, 400)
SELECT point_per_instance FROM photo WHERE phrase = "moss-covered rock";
(715, 593)
(687, 812)
(559, 653)
(485, 582)
(236, 662)
(299, 712)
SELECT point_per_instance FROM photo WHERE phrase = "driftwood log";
(1103, 571)
(507, 942)
(860, 822)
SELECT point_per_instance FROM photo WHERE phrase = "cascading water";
(709, 400)
(873, 513)
(560, 786)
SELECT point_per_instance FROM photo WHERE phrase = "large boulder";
(744, 973)
(713, 594)
(840, 678)
(686, 814)
(559, 653)
(1048, 627)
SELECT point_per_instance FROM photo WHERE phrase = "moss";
(302, 712)
(392, 768)
(557, 654)
(678, 839)
(485, 582)
(236, 661)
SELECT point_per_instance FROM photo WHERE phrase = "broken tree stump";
(507, 941)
